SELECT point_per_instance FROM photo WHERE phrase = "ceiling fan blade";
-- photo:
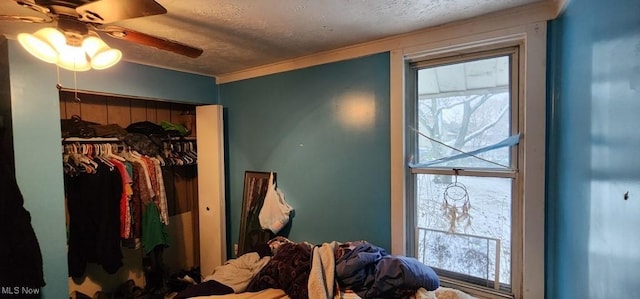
(149, 40)
(29, 19)
(109, 11)
(26, 19)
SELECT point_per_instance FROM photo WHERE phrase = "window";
(465, 154)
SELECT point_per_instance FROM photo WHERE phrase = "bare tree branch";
(456, 103)
(485, 97)
(487, 126)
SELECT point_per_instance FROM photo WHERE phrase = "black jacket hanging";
(93, 203)
(20, 256)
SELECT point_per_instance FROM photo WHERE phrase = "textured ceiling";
(237, 35)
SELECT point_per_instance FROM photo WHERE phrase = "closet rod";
(109, 94)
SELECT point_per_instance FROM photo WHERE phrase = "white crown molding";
(561, 5)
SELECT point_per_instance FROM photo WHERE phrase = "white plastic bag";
(274, 214)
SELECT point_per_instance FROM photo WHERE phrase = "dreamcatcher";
(456, 204)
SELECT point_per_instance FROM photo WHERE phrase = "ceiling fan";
(79, 19)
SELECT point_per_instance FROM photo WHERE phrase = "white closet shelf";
(114, 139)
(94, 139)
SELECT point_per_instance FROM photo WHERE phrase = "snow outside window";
(463, 143)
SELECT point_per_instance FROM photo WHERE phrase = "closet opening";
(107, 127)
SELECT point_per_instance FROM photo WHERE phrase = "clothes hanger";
(185, 154)
(191, 151)
(85, 157)
(111, 154)
(96, 153)
(103, 154)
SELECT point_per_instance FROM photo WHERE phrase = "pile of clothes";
(305, 270)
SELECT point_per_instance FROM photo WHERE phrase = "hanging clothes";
(154, 233)
(162, 195)
(117, 198)
(125, 198)
(93, 203)
(141, 197)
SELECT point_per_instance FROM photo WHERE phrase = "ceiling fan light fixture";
(50, 45)
(102, 56)
(43, 43)
(73, 59)
(77, 22)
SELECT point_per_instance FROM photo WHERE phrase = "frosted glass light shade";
(43, 43)
(106, 59)
(102, 56)
(73, 59)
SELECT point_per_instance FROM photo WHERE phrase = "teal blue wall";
(325, 131)
(36, 125)
(594, 78)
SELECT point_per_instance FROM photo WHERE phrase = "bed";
(440, 293)
(285, 269)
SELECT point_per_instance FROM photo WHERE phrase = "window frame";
(531, 38)
(413, 66)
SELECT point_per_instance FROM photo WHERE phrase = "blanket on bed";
(440, 293)
(322, 282)
(372, 273)
(400, 277)
(306, 271)
(332, 270)
(288, 270)
(238, 273)
(356, 265)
